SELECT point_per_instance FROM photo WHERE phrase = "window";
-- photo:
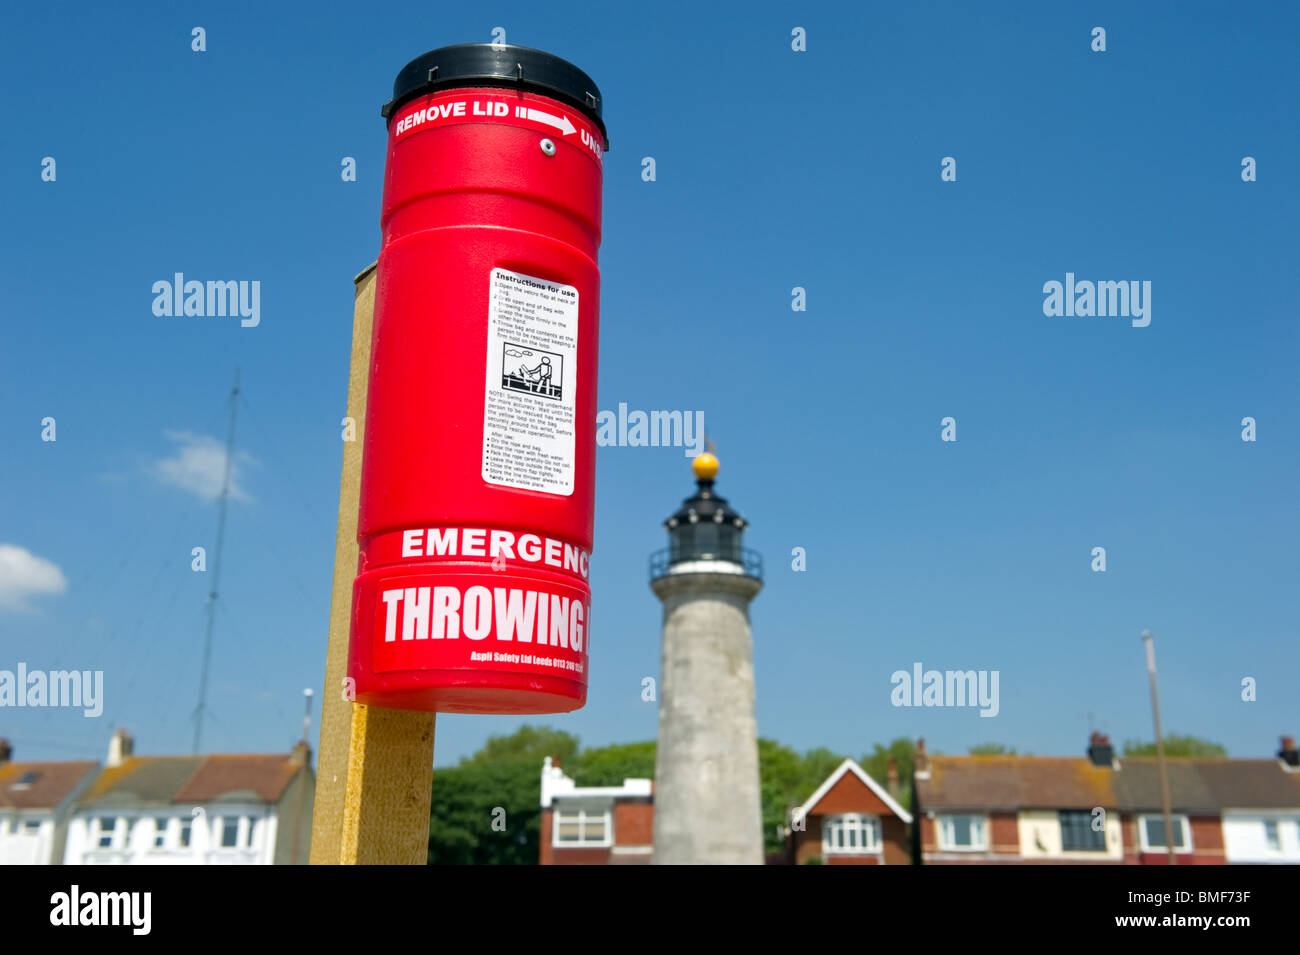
(1272, 838)
(582, 828)
(706, 539)
(186, 828)
(106, 827)
(31, 826)
(850, 832)
(729, 543)
(25, 782)
(230, 832)
(957, 833)
(683, 542)
(1078, 834)
(160, 832)
(1152, 831)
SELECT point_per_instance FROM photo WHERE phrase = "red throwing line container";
(478, 473)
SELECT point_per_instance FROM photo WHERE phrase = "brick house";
(849, 820)
(1100, 809)
(595, 825)
(1223, 810)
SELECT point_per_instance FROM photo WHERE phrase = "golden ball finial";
(705, 467)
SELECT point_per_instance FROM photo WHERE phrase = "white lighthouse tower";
(706, 794)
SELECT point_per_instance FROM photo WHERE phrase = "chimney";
(1288, 753)
(1100, 752)
(120, 748)
(891, 778)
(920, 761)
(6, 751)
(300, 755)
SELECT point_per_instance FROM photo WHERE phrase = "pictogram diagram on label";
(529, 436)
(545, 378)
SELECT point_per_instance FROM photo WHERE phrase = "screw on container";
(510, 67)
(548, 147)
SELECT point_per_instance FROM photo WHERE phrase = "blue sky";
(775, 169)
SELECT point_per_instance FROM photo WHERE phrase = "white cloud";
(24, 575)
(199, 465)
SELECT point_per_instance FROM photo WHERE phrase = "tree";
(991, 749)
(487, 809)
(780, 786)
(528, 742)
(610, 765)
(486, 813)
(1176, 745)
(817, 765)
(786, 780)
(876, 765)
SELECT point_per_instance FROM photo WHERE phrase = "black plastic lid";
(487, 64)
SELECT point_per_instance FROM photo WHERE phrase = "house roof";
(164, 780)
(49, 785)
(1014, 782)
(1037, 782)
(1202, 784)
(854, 771)
(141, 779)
(263, 776)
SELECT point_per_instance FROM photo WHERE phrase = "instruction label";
(529, 404)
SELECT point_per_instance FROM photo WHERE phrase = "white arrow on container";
(559, 122)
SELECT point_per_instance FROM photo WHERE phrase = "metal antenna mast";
(216, 566)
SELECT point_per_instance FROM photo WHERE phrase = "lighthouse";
(706, 793)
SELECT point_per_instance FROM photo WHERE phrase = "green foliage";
(876, 765)
(780, 786)
(528, 742)
(1176, 745)
(817, 765)
(507, 774)
(464, 800)
(992, 749)
(786, 780)
(610, 765)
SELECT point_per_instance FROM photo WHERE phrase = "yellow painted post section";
(375, 774)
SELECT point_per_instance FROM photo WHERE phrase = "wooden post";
(375, 770)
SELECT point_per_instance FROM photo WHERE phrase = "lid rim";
(505, 65)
